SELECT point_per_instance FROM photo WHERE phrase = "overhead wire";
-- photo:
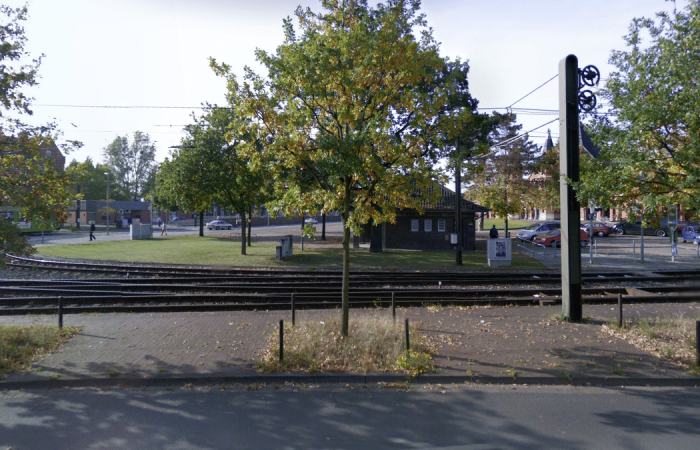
(533, 91)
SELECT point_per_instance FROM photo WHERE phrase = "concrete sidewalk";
(524, 345)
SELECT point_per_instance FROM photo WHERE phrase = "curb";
(346, 378)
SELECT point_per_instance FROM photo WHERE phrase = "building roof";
(588, 144)
(446, 202)
(95, 205)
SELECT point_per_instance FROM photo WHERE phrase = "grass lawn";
(500, 224)
(20, 345)
(214, 251)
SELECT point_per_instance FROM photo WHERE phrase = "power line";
(133, 107)
(522, 134)
(533, 90)
(120, 107)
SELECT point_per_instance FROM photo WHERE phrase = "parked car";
(627, 227)
(311, 220)
(219, 225)
(599, 228)
(691, 232)
(526, 234)
(552, 238)
(176, 219)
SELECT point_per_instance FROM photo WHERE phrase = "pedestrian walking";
(92, 230)
(164, 229)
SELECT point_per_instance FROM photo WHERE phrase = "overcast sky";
(149, 58)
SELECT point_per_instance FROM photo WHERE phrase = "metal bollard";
(408, 343)
(281, 340)
(60, 312)
(697, 340)
(293, 311)
(619, 310)
(393, 306)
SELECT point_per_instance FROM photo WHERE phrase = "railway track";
(147, 288)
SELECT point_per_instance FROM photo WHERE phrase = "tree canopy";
(28, 178)
(91, 178)
(133, 166)
(347, 118)
(210, 167)
(501, 182)
(650, 135)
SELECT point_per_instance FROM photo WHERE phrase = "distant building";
(432, 230)
(121, 213)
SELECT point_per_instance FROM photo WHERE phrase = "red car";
(553, 238)
(599, 228)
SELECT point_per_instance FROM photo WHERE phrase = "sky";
(113, 67)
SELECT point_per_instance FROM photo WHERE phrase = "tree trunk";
(323, 228)
(375, 239)
(250, 223)
(201, 223)
(346, 262)
(243, 227)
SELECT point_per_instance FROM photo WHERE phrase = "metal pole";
(281, 340)
(408, 343)
(641, 241)
(590, 233)
(697, 340)
(107, 173)
(60, 312)
(673, 243)
(619, 310)
(293, 311)
(458, 202)
(569, 170)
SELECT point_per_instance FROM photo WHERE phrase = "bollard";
(697, 340)
(293, 311)
(393, 307)
(60, 312)
(408, 343)
(281, 340)
(619, 310)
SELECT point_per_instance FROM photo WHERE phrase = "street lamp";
(107, 173)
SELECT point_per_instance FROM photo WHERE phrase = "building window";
(414, 224)
(428, 224)
(441, 225)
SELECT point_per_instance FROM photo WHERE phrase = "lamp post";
(107, 173)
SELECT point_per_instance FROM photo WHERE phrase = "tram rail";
(150, 288)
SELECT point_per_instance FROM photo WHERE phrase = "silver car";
(219, 225)
(526, 234)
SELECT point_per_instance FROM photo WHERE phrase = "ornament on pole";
(588, 76)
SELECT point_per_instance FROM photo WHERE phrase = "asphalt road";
(350, 417)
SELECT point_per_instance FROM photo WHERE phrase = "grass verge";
(373, 344)
(214, 251)
(21, 345)
(670, 338)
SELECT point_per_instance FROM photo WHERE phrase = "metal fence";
(602, 247)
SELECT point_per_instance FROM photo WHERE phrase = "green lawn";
(500, 224)
(215, 251)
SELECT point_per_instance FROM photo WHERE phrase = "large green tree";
(209, 167)
(91, 178)
(343, 120)
(650, 136)
(132, 165)
(501, 182)
(28, 178)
